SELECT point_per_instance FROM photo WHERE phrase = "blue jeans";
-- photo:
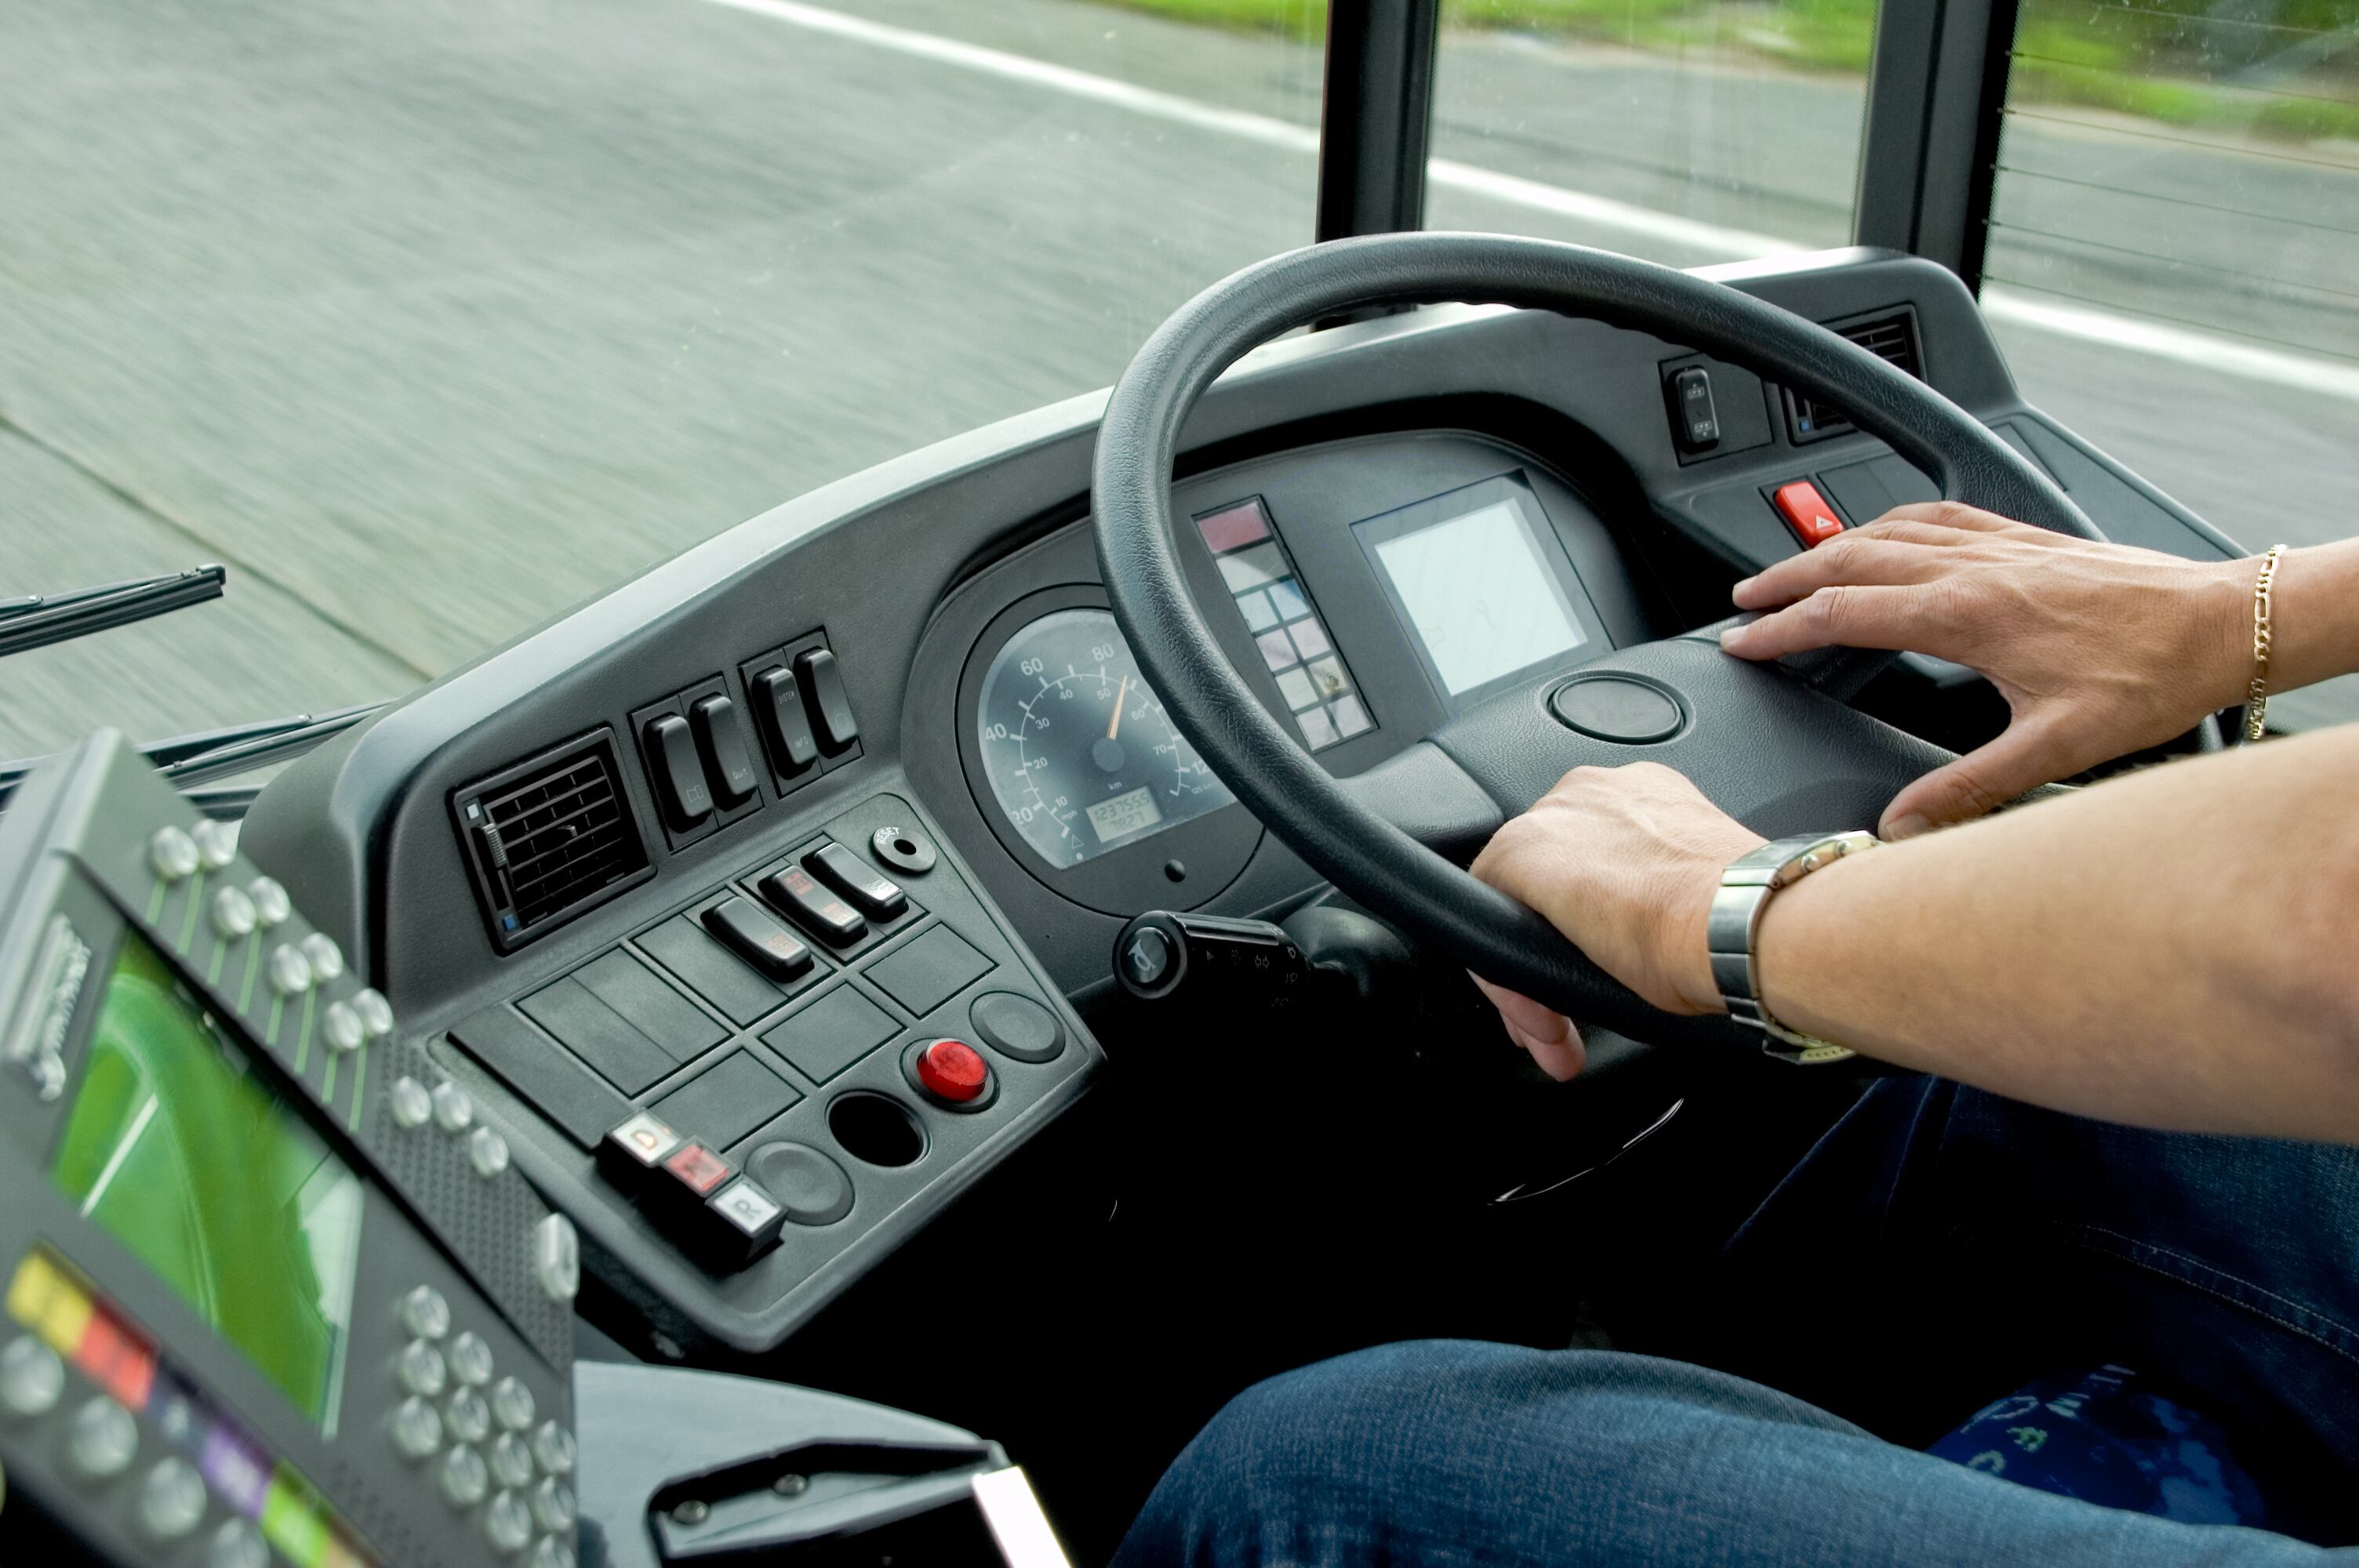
(1939, 1247)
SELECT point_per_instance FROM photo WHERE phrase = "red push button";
(1806, 512)
(953, 1070)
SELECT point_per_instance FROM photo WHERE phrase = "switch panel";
(802, 716)
(703, 775)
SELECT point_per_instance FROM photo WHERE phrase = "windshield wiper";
(189, 760)
(38, 620)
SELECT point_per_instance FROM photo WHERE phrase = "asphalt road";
(432, 320)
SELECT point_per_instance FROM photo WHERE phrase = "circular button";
(376, 1013)
(1147, 957)
(471, 1358)
(512, 1404)
(903, 849)
(453, 1111)
(173, 853)
(216, 843)
(237, 1544)
(951, 1070)
(468, 1418)
(1017, 1026)
(425, 1314)
(1617, 708)
(420, 1369)
(102, 1441)
(417, 1430)
(234, 914)
(326, 958)
(412, 1106)
(271, 904)
(809, 1186)
(511, 1460)
(465, 1480)
(340, 1026)
(31, 1376)
(487, 1151)
(552, 1445)
(552, 1505)
(290, 972)
(551, 1552)
(507, 1523)
(171, 1500)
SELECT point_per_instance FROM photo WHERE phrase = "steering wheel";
(1774, 746)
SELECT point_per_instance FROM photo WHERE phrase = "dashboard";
(794, 866)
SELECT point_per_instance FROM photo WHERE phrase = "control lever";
(1159, 952)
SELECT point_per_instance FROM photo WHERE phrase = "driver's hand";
(1625, 862)
(2100, 649)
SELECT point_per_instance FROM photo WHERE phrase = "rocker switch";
(837, 867)
(791, 891)
(722, 740)
(758, 939)
(830, 710)
(680, 774)
(1691, 406)
(786, 727)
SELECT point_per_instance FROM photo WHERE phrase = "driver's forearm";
(2314, 625)
(2179, 947)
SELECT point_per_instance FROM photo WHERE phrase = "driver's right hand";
(2099, 649)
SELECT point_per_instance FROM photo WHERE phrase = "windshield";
(431, 319)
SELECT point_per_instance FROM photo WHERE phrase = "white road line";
(2214, 351)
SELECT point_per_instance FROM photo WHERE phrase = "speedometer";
(1081, 755)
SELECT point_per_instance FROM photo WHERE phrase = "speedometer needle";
(1115, 722)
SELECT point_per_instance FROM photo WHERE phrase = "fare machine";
(273, 1294)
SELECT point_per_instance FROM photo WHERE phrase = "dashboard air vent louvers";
(549, 837)
(1891, 337)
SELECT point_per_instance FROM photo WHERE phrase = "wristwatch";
(1743, 893)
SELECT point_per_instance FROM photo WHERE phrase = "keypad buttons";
(557, 1258)
(411, 1105)
(375, 1012)
(551, 1552)
(232, 913)
(453, 1111)
(507, 1523)
(468, 1418)
(553, 1446)
(425, 1314)
(464, 1478)
(326, 958)
(552, 1505)
(31, 1378)
(420, 1369)
(417, 1430)
(471, 1358)
(271, 904)
(173, 854)
(216, 843)
(290, 972)
(512, 1404)
(340, 1026)
(237, 1544)
(487, 1151)
(171, 1500)
(102, 1441)
(511, 1459)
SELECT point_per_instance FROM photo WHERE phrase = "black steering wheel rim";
(1362, 853)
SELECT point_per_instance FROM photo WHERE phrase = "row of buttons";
(734, 1220)
(555, 1249)
(477, 1459)
(700, 762)
(829, 891)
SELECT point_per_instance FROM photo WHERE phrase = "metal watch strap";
(1736, 920)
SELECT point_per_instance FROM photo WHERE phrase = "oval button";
(1618, 709)
(809, 1186)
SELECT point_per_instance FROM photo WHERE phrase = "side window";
(2171, 267)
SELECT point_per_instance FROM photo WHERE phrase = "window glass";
(1683, 131)
(430, 319)
(2171, 264)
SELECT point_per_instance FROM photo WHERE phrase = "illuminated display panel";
(227, 1194)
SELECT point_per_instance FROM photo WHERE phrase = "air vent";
(1891, 337)
(549, 839)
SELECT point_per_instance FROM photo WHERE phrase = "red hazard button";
(953, 1070)
(1806, 512)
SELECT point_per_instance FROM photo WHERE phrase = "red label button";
(1806, 512)
(698, 1169)
(953, 1070)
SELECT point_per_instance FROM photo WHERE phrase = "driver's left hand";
(1625, 862)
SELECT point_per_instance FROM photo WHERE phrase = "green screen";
(195, 1166)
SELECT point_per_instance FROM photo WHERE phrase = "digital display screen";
(174, 1148)
(1124, 813)
(1480, 594)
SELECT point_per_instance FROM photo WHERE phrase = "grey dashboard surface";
(908, 571)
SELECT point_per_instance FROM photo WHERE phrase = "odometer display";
(1080, 753)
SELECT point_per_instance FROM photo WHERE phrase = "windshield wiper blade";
(36, 620)
(189, 760)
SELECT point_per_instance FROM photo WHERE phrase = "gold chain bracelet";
(2257, 694)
